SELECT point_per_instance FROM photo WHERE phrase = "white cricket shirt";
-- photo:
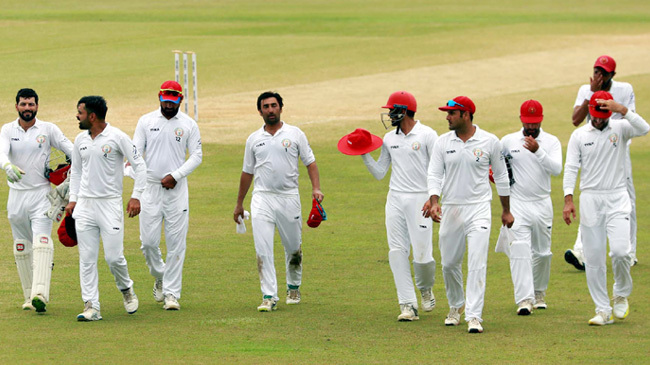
(30, 150)
(273, 159)
(532, 171)
(409, 154)
(164, 144)
(601, 154)
(622, 93)
(97, 165)
(464, 168)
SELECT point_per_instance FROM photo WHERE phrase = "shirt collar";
(478, 134)
(591, 128)
(276, 133)
(36, 124)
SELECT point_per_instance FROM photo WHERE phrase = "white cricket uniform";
(96, 187)
(604, 201)
(164, 144)
(459, 170)
(27, 202)
(405, 226)
(275, 202)
(623, 93)
(531, 205)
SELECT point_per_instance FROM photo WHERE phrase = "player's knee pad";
(43, 264)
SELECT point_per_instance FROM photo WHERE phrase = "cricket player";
(271, 156)
(96, 202)
(534, 156)
(599, 150)
(459, 171)
(623, 93)
(163, 137)
(25, 146)
(408, 149)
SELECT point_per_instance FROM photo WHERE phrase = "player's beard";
(271, 121)
(83, 124)
(531, 132)
(27, 115)
(170, 112)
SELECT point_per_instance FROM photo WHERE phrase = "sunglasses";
(171, 92)
(452, 103)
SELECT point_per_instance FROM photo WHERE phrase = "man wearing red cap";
(408, 149)
(271, 157)
(622, 92)
(25, 146)
(598, 149)
(164, 137)
(459, 171)
(534, 156)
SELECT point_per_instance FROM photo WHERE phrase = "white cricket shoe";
(540, 303)
(89, 313)
(293, 296)
(525, 307)
(453, 318)
(474, 326)
(27, 306)
(130, 300)
(575, 258)
(158, 290)
(268, 305)
(171, 303)
(621, 307)
(601, 319)
(428, 300)
(409, 313)
(38, 302)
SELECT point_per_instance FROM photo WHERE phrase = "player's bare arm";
(435, 211)
(506, 217)
(133, 207)
(312, 171)
(569, 210)
(531, 144)
(168, 182)
(244, 184)
(70, 207)
(613, 106)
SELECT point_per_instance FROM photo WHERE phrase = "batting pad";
(23, 256)
(43, 259)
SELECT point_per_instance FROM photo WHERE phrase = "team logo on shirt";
(178, 132)
(286, 143)
(613, 138)
(478, 153)
(106, 149)
(416, 146)
(40, 139)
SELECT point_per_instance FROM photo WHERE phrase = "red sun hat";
(171, 91)
(460, 103)
(606, 63)
(359, 142)
(595, 110)
(531, 111)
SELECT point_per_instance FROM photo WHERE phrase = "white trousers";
(469, 222)
(406, 228)
(603, 216)
(26, 214)
(269, 211)
(95, 218)
(530, 253)
(171, 206)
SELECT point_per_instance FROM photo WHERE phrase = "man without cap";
(164, 136)
(96, 202)
(599, 150)
(533, 156)
(271, 156)
(459, 171)
(623, 93)
(408, 149)
(25, 146)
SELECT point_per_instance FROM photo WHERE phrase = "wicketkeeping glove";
(14, 173)
(59, 198)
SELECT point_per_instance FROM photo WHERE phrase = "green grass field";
(335, 62)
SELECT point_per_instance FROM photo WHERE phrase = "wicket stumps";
(177, 68)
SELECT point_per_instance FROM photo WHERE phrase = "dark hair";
(410, 113)
(95, 104)
(266, 95)
(471, 116)
(26, 94)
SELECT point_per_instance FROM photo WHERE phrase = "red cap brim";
(348, 149)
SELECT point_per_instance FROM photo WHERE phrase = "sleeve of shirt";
(139, 167)
(304, 149)
(196, 154)
(572, 165)
(249, 157)
(140, 136)
(636, 126)
(436, 170)
(378, 168)
(584, 93)
(4, 146)
(499, 170)
(631, 102)
(75, 171)
(551, 160)
(60, 141)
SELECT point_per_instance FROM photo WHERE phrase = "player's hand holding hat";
(359, 142)
(316, 215)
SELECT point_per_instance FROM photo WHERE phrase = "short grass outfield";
(336, 62)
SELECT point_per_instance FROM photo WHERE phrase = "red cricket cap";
(606, 63)
(460, 103)
(595, 110)
(67, 232)
(317, 214)
(359, 142)
(171, 91)
(531, 111)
